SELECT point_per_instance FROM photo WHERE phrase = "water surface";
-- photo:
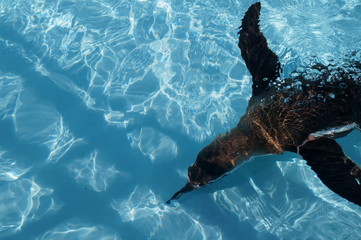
(104, 105)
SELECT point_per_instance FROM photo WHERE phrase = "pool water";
(105, 104)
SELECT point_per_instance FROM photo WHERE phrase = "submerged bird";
(299, 114)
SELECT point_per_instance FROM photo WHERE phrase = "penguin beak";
(187, 188)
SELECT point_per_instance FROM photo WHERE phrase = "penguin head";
(209, 166)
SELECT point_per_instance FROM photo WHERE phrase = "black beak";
(187, 188)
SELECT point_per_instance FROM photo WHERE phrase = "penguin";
(300, 114)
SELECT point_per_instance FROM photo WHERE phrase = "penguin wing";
(338, 172)
(261, 62)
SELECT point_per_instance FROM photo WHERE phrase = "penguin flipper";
(261, 62)
(338, 172)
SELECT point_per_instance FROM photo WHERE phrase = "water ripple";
(156, 220)
(23, 201)
(153, 144)
(177, 62)
(10, 170)
(42, 124)
(92, 172)
(172, 61)
(153, 58)
(283, 206)
(73, 231)
(328, 30)
(10, 88)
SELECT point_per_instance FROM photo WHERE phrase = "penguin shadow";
(262, 167)
(265, 169)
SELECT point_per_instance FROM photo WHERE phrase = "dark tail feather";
(187, 188)
(333, 167)
(261, 62)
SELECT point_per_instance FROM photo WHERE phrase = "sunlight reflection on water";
(42, 124)
(73, 231)
(23, 201)
(153, 144)
(156, 220)
(163, 76)
(90, 171)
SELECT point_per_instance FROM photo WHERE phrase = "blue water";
(104, 105)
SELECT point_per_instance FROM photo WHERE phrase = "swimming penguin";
(299, 114)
